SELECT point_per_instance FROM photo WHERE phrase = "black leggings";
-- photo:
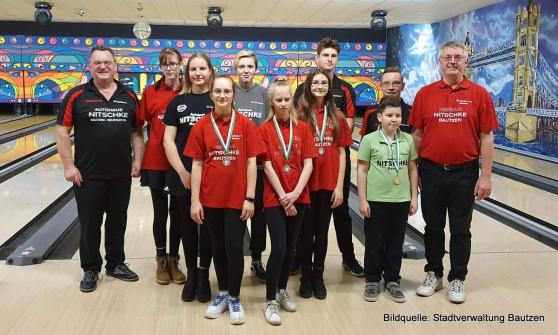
(160, 202)
(227, 237)
(257, 222)
(192, 239)
(314, 230)
(283, 232)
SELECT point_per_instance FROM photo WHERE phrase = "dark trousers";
(94, 198)
(452, 192)
(194, 237)
(227, 237)
(257, 222)
(161, 209)
(384, 233)
(283, 232)
(341, 218)
(314, 231)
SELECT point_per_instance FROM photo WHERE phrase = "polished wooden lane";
(23, 123)
(530, 164)
(25, 145)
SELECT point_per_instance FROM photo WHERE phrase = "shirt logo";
(257, 102)
(464, 102)
(181, 108)
(93, 100)
(120, 102)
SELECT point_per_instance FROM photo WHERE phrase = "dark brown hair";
(388, 101)
(328, 42)
(164, 56)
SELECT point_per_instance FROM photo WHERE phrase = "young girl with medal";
(181, 115)
(287, 165)
(155, 99)
(387, 190)
(224, 145)
(332, 135)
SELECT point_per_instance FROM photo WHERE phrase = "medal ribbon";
(321, 134)
(226, 146)
(286, 150)
(397, 161)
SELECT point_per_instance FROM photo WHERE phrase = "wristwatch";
(249, 199)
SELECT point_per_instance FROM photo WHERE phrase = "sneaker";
(354, 267)
(162, 274)
(176, 273)
(89, 281)
(258, 270)
(190, 287)
(306, 289)
(295, 268)
(271, 312)
(285, 301)
(456, 291)
(320, 291)
(122, 272)
(371, 291)
(236, 311)
(430, 285)
(218, 306)
(395, 292)
(203, 293)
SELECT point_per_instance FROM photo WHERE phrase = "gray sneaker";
(395, 292)
(371, 291)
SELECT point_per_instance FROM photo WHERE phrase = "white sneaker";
(271, 312)
(236, 311)
(285, 301)
(430, 285)
(218, 306)
(456, 291)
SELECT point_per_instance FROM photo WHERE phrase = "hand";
(290, 210)
(483, 187)
(73, 175)
(185, 178)
(289, 198)
(337, 197)
(364, 209)
(136, 169)
(247, 210)
(413, 207)
(196, 212)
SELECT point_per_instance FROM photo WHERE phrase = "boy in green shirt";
(387, 190)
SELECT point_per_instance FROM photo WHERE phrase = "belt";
(451, 167)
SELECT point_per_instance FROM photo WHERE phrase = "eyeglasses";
(217, 92)
(391, 83)
(454, 58)
(320, 83)
(171, 66)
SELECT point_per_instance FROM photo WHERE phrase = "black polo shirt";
(372, 122)
(343, 96)
(102, 129)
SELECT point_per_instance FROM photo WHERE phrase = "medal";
(226, 146)
(284, 148)
(321, 134)
(287, 168)
(396, 180)
(397, 160)
(321, 151)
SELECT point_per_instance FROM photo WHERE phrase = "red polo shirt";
(302, 148)
(223, 186)
(452, 121)
(326, 167)
(152, 110)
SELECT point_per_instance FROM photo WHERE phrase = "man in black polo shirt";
(103, 114)
(345, 99)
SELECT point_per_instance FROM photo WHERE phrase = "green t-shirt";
(380, 184)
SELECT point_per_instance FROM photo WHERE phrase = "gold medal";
(396, 180)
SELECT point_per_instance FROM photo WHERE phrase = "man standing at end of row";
(103, 114)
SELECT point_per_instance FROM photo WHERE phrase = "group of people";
(224, 152)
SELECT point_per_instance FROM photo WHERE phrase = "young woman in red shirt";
(181, 115)
(331, 136)
(155, 99)
(224, 145)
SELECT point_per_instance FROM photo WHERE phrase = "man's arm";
(484, 184)
(138, 146)
(64, 146)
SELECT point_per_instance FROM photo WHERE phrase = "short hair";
(388, 101)
(245, 54)
(453, 44)
(328, 42)
(102, 48)
(393, 69)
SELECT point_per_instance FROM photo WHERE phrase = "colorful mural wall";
(512, 53)
(41, 68)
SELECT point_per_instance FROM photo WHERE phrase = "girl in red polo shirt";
(331, 136)
(182, 113)
(288, 157)
(155, 99)
(224, 145)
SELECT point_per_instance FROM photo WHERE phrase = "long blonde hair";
(271, 93)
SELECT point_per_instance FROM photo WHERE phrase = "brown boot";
(163, 276)
(177, 275)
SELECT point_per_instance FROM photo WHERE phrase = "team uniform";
(370, 121)
(389, 199)
(284, 230)
(253, 104)
(449, 173)
(103, 155)
(183, 112)
(154, 166)
(322, 183)
(223, 190)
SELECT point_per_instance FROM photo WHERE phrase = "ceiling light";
(80, 12)
(142, 29)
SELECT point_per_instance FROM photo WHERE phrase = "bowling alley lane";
(23, 123)
(22, 146)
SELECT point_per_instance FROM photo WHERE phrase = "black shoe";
(319, 288)
(354, 267)
(306, 290)
(189, 289)
(203, 293)
(89, 281)
(295, 268)
(122, 272)
(259, 271)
